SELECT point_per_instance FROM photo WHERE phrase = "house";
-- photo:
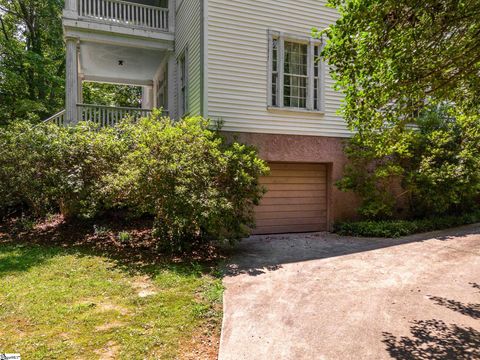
(250, 63)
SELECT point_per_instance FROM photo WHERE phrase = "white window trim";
(282, 37)
(183, 110)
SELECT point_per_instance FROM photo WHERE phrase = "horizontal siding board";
(188, 34)
(237, 66)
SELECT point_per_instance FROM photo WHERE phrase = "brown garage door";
(296, 200)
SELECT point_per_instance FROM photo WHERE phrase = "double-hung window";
(295, 72)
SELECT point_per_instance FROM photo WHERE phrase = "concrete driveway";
(321, 296)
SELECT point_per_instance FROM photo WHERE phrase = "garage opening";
(296, 199)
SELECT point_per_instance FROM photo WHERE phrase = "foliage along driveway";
(322, 296)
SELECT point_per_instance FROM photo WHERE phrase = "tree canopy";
(391, 58)
(32, 59)
(398, 63)
(32, 64)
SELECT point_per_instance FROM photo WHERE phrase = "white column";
(154, 93)
(172, 9)
(71, 84)
(147, 97)
(172, 86)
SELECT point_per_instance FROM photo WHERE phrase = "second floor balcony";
(150, 15)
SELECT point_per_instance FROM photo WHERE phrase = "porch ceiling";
(117, 64)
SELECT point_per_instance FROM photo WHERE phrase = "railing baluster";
(102, 115)
(125, 12)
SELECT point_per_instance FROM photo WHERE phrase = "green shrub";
(50, 168)
(196, 185)
(443, 174)
(437, 165)
(398, 228)
(124, 236)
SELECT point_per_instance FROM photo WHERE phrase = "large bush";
(196, 185)
(49, 168)
(436, 164)
(443, 174)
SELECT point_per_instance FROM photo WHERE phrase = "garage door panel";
(289, 221)
(291, 180)
(297, 187)
(292, 193)
(293, 201)
(315, 206)
(296, 173)
(289, 215)
(283, 229)
(296, 199)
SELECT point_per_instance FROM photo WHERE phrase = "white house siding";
(238, 71)
(188, 35)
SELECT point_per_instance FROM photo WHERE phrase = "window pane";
(274, 89)
(295, 74)
(274, 54)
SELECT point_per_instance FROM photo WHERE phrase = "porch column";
(172, 86)
(147, 97)
(172, 9)
(71, 84)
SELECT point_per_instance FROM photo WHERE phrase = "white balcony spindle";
(124, 12)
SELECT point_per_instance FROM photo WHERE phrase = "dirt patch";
(109, 326)
(109, 351)
(203, 346)
(112, 307)
(144, 287)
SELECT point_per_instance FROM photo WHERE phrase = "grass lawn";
(65, 301)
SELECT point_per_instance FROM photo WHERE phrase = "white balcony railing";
(103, 115)
(124, 13)
(109, 115)
(58, 118)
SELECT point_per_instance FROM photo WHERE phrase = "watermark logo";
(10, 357)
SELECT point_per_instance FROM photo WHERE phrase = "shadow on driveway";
(260, 254)
(434, 340)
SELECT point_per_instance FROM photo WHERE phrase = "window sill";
(294, 110)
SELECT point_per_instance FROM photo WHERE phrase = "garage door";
(296, 199)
